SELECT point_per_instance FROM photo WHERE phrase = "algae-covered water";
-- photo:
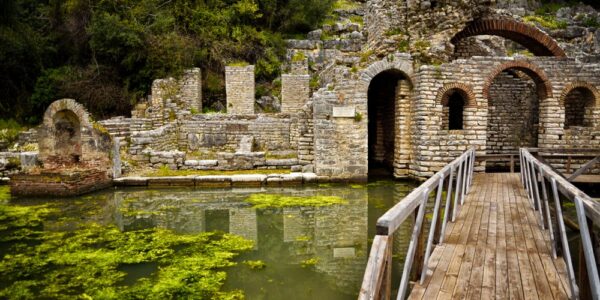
(309, 242)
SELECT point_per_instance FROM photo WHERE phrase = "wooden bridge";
(496, 235)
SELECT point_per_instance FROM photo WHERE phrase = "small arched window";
(455, 97)
(456, 106)
(578, 105)
(453, 110)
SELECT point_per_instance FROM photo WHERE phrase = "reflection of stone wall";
(242, 222)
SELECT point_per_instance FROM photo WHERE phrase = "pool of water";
(308, 252)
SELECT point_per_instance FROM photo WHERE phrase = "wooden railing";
(546, 188)
(457, 176)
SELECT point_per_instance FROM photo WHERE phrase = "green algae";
(4, 193)
(88, 262)
(255, 264)
(279, 201)
(309, 262)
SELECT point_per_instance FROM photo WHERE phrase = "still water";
(309, 252)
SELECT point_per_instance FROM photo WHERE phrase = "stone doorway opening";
(514, 98)
(388, 110)
(67, 136)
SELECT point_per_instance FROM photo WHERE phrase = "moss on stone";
(255, 264)
(546, 21)
(279, 201)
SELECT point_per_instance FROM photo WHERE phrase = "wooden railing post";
(589, 272)
(449, 205)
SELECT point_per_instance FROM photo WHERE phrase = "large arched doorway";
(388, 110)
(514, 94)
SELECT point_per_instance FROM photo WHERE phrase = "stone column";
(403, 136)
(191, 90)
(240, 85)
(294, 92)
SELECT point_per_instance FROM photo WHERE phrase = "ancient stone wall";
(294, 92)
(163, 138)
(513, 109)
(218, 132)
(173, 99)
(240, 86)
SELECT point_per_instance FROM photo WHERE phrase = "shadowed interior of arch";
(578, 104)
(385, 90)
(67, 131)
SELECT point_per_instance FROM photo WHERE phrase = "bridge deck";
(495, 249)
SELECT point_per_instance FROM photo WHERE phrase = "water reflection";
(310, 252)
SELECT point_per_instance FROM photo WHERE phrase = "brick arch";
(66, 105)
(580, 84)
(535, 40)
(465, 90)
(542, 83)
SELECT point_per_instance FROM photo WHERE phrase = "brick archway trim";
(535, 40)
(543, 86)
(580, 84)
(70, 105)
(465, 90)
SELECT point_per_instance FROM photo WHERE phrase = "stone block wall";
(161, 139)
(173, 99)
(294, 92)
(513, 109)
(222, 133)
(240, 89)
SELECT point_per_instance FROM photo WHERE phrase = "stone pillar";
(191, 90)
(294, 92)
(240, 85)
(403, 136)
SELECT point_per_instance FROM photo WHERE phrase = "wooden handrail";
(457, 176)
(535, 177)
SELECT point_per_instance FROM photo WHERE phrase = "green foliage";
(358, 117)
(548, 21)
(9, 130)
(89, 262)
(314, 82)
(403, 46)
(277, 200)
(298, 57)
(106, 53)
(345, 5)
(591, 22)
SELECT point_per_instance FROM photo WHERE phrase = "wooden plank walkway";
(495, 249)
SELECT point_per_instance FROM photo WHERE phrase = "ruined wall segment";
(295, 92)
(240, 89)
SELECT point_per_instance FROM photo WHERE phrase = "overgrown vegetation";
(90, 262)
(105, 53)
(547, 21)
(277, 200)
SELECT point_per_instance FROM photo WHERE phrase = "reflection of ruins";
(337, 236)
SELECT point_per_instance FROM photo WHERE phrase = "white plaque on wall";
(344, 111)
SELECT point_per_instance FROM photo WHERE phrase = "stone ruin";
(74, 155)
(376, 105)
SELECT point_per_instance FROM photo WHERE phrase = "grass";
(238, 63)
(165, 171)
(9, 130)
(280, 156)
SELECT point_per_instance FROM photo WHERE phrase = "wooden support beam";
(584, 168)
